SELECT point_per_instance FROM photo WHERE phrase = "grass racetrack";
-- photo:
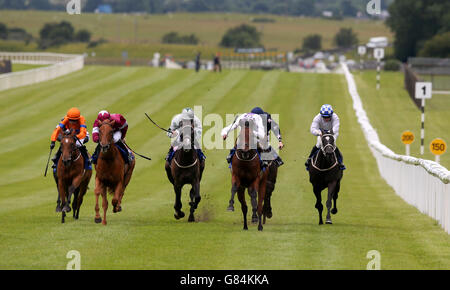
(145, 234)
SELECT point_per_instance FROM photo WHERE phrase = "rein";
(184, 167)
(314, 161)
(246, 160)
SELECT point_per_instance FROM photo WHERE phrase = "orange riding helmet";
(74, 114)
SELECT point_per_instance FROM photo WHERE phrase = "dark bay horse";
(324, 173)
(270, 187)
(186, 168)
(72, 177)
(113, 174)
(247, 173)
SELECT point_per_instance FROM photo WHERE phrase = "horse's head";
(106, 133)
(328, 146)
(67, 147)
(187, 134)
(246, 140)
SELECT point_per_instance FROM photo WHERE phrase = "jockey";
(270, 125)
(120, 131)
(72, 121)
(258, 131)
(177, 123)
(326, 120)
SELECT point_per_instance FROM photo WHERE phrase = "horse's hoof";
(269, 215)
(104, 223)
(329, 222)
(191, 218)
(58, 208)
(334, 211)
(260, 228)
(320, 223)
(245, 228)
(66, 208)
(179, 215)
(255, 220)
(119, 209)
(98, 220)
(230, 208)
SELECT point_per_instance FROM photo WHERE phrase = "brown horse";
(186, 168)
(247, 173)
(113, 174)
(72, 177)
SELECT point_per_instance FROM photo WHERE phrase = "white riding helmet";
(187, 113)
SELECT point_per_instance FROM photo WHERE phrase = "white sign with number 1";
(423, 90)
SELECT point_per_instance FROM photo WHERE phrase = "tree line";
(340, 8)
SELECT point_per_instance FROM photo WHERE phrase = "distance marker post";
(407, 139)
(438, 147)
(423, 91)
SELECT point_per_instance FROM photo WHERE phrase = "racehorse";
(186, 168)
(247, 173)
(113, 174)
(270, 187)
(72, 177)
(324, 173)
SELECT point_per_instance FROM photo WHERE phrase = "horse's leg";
(104, 206)
(252, 191)
(169, 172)
(58, 202)
(98, 190)
(62, 195)
(234, 189)
(83, 189)
(75, 202)
(117, 193)
(73, 190)
(331, 188)
(195, 200)
(261, 197)
(335, 197)
(267, 208)
(126, 182)
(241, 197)
(319, 206)
(178, 205)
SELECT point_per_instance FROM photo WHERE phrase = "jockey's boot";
(340, 159)
(308, 161)
(230, 156)
(55, 159)
(169, 155)
(94, 156)
(124, 149)
(278, 161)
(87, 161)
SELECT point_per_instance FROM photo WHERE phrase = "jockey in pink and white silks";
(326, 120)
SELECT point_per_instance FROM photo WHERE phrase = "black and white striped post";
(378, 53)
(361, 51)
(423, 92)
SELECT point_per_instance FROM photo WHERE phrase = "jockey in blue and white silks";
(326, 120)
(177, 123)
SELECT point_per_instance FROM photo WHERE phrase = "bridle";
(74, 149)
(109, 144)
(192, 145)
(314, 161)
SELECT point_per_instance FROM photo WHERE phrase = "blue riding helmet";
(326, 111)
(258, 110)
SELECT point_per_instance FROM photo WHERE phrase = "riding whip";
(48, 161)
(156, 124)
(148, 158)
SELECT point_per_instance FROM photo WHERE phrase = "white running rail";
(60, 64)
(422, 183)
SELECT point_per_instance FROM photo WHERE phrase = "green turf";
(145, 234)
(391, 111)
(21, 67)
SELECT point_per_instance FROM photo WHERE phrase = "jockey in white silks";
(257, 127)
(326, 120)
(177, 123)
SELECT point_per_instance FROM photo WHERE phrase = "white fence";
(60, 64)
(422, 183)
